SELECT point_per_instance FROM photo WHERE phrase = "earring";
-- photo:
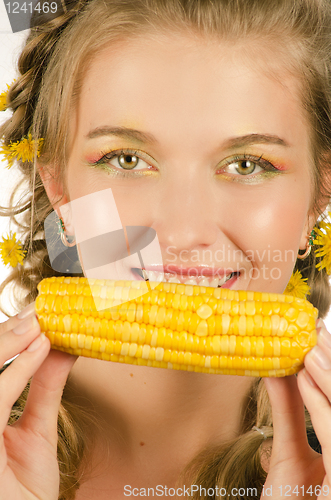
(311, 238)
(63, 235)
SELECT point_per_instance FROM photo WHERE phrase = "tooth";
(159, 276)
(229, 276)
(145, 275)
(173, 280)
(214, 282)
(190, 281)
(221, 281)
(151, 276)
(204, 282)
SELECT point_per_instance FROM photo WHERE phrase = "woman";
(209, 123)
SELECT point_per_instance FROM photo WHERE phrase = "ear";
(307, 229)
(53, 186)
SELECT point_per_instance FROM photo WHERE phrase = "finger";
(19, 338)
(16, 376)
(318, 361)
(319, 409)
(10, 323)
(315, 387)
(46, 388)
(16, 334)
(290, 437)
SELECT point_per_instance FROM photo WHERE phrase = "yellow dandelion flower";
(11, 250)
(8, 154)
(323, 238)
(24, 150)
(297, 286)
(3, 97)
(3, 101)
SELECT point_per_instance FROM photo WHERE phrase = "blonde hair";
(52, 66)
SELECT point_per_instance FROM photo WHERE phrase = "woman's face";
(216, 157)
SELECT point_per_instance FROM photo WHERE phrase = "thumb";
(45, 393)
(288, 413)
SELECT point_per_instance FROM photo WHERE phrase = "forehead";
(198, 86)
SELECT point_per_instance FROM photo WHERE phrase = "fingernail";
(36, 343)
(325, 336)
(308, 377)
(320, 358)
(27, 325)
(320, 323)
(27, 311)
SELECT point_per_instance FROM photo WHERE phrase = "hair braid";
(24, 92)
(243, 461)
(237, 462)
(22, 99)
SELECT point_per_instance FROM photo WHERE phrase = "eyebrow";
(145, 137)
(247, 140)
(128, 133)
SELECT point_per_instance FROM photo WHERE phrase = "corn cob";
(183, 327)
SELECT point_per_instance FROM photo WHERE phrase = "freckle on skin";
(142, 443)
(131, 374)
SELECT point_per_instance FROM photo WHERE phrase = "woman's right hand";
(28, 448)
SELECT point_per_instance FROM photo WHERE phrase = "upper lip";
(193, 271)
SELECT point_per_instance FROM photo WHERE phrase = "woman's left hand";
(295, 469)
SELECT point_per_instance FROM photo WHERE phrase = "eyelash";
(107, 157)
(260, 161)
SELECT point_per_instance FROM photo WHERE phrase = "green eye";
(124, 160)
(128, 161)
(243, 167)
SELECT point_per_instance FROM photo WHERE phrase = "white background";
(10, 45)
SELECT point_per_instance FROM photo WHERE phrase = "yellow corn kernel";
(176, 326)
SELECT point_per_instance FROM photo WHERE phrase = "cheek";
(134, 199)
(279, 226)
(270, 233)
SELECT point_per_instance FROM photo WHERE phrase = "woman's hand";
(295, 469)
(28, 448)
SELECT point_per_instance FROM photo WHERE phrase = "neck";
(157, 409)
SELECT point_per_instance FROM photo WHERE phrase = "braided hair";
(22, 99)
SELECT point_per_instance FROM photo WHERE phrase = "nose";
(185, 216)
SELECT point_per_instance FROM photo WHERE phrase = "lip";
(192, 271)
